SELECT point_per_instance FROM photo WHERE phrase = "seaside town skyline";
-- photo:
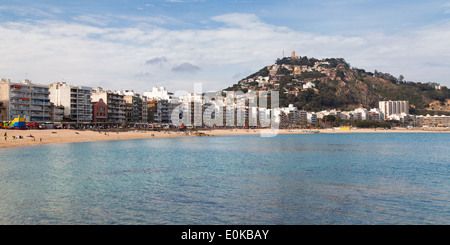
(61, 103)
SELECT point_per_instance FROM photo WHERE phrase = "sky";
(135, 45)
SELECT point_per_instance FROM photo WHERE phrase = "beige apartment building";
(25, 99)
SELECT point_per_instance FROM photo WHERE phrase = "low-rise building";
(436, 121)
(99, 111)
(360, 114)
(375, 115)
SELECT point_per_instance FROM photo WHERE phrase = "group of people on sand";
(20, 137)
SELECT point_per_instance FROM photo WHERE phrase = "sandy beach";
(55, 136)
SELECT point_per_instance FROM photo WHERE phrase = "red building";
(99, 111)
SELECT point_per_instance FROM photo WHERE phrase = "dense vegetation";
(371, 124)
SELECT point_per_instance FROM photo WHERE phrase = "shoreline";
(56, 136)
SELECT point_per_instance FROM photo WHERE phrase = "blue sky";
(175, 43)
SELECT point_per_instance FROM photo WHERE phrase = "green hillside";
(337, 85)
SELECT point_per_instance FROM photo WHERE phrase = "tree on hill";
(301, 61)
(264, 72)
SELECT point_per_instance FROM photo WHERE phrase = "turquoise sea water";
(398, 178)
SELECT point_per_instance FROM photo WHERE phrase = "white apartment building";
(76, 101)
(376, 115)
(393, 107)
(360, 114)
(311, 117)
(158, 93)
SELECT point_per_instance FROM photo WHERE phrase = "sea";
(290, 179)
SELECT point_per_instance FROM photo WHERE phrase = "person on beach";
(6, 135)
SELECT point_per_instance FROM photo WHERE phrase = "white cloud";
(115, 58)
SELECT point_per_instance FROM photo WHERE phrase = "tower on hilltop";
(293, 55)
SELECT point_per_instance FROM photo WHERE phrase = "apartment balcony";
(85, 118)
(19, 107)
(34, 96)
(19, 95)
(45, 92)
(19, 102)
(36, 114)
(37, 108)
(20, 90)
(59, 112)
(40, 103)
(19, 112)
(40, 119)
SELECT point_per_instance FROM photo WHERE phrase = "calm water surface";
(399, 178)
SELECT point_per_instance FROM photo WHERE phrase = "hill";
(314, 85)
